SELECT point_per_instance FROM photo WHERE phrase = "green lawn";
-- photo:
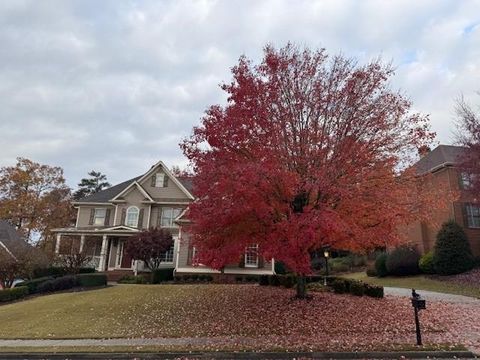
(419, 282)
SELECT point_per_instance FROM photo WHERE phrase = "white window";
(99, 217)
(473, 216)
(168, 217)
(251, 256)
(132, 216)
(168, 256)
(466, 180)
(160, 180)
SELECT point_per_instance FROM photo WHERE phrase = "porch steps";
(116, 275)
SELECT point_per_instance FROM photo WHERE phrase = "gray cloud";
(114, 86)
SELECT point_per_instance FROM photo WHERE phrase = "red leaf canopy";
(306, 153)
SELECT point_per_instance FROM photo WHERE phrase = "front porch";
(106, 251)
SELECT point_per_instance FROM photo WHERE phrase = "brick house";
(442, 163)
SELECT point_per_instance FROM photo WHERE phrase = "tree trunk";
(301, 287)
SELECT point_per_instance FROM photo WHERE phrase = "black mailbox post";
(418, 304)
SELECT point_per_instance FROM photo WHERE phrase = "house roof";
(10, 239)
(187, 182)
(106, 195)
(441, 156)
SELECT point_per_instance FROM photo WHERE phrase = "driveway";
(432, 296)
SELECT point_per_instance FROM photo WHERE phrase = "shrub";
(280, 268)
(263, 280)
(452, 254)
(371, 271)
(162, 275)
(403, 261)
(357, 288)
(315, 278)
(339, 286)
(239, 279)
(251, 278)
(426, 263)
(209, 278)
(61, 283)
(57, 271)
(381, 265)
(132, 279)
(340, 264)
(13, 293)
(274, 280)
(89, 280)
(287, 281)
(373, 291)
(32, 285)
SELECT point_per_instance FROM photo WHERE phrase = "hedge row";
(193, 278)
(132, 279)
(51, 284)
(355, 287)
(13, 294)
(57, 271)
(339, 285)
(162, 275)
(247, 279)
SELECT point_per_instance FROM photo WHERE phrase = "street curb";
(246, 355)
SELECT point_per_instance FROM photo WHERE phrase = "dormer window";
(161, 180)
(132, 216)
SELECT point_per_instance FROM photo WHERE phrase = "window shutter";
(107, 217)
(460, 181)
(154, 179)
(190, 254)
(465, 215)
(140, 219)
(159, 217)
(241, 264)
(92, 216)
(165, 180)
(124, 216)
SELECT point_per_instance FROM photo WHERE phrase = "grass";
(419, 282)
(227, 317)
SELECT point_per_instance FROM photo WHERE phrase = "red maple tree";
(469, 136)
(310, 151)
(149, 246)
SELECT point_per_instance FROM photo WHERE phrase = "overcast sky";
(115, 85)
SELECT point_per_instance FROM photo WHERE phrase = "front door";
(114, 254)
(126, 261)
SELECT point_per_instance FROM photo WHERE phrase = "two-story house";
(155, 199)
(442, 164)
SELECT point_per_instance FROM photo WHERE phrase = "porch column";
(103, 254)
(82, 243)
(118, 258)
(57, 244)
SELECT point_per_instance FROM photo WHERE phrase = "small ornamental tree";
(310, 151)
(150, 246)
(19, 261)
(72, 263)
(452, 253)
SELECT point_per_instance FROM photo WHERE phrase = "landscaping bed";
(236, 317)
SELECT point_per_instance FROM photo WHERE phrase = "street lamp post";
(326, 254)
